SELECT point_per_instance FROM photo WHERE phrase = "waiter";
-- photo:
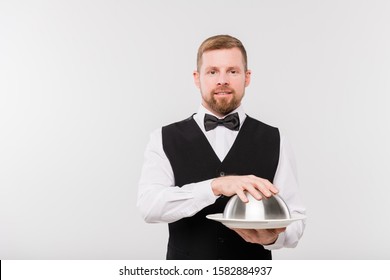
(193, 166)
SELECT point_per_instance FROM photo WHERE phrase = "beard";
(222, 106)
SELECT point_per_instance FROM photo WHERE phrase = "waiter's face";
(222, 80)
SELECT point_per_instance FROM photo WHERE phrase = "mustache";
(223, 89)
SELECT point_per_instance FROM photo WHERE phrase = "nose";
(222, 79)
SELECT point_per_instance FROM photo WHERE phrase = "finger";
(279, 230)
(270, 186)
(244, 233)
(250, 184)
(253, 191)
(240, 193)
(266, 187)
(238, 231)
(259, 184)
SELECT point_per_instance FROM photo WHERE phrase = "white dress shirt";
(159, 201)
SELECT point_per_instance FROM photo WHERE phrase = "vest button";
(221, 173)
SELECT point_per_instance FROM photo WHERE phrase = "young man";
(194, 166)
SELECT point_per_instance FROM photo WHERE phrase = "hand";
(260, 236)
(231, 185)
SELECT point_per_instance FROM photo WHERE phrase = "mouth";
(222, 93)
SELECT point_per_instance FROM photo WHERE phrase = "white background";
(83, 83)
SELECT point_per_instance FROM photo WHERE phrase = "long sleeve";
(286, 181)
(158, 199)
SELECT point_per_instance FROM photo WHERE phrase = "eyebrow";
(233, 68)
(216, 68)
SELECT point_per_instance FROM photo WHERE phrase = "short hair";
(219, 42)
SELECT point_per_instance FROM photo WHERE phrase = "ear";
(248, 77)
(196, 76)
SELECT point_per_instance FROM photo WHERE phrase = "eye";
(212, 72)
(234, 71)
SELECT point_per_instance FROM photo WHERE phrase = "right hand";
(231, 185)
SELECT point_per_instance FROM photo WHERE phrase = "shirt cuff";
(203, 192)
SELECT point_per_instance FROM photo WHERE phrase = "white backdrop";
(83, 83)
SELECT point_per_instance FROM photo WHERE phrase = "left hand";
(260, 236)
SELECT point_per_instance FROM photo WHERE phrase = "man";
(192, 167)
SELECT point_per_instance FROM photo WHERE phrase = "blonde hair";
(219, 42)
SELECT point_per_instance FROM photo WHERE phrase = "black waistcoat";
(255, 151)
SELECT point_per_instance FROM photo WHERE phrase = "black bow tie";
(231, 121)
